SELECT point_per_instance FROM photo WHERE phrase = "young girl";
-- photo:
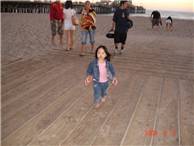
(100, 71)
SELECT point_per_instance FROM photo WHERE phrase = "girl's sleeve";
(112, 70)
(89, 70)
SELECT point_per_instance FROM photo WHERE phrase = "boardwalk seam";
(60, 143)
(157, 110)
(132, 117)
(42, 111)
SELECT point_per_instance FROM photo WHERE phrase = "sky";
(173, 5)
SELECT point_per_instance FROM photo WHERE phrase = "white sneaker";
(116, 51)
(122, 50)
(103, 99)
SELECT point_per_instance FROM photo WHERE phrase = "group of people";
(100, 70)
(157, 21)
(61, 22)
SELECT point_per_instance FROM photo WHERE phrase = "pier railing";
(44, 7)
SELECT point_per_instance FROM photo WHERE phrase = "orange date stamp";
(163, 133)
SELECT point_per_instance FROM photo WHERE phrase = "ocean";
(173, 14)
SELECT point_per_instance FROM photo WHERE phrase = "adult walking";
(69, 28)
(87, 26)
(156, 18)
(120, 25)
(56, 20)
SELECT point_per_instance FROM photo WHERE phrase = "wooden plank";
(36, 90)
(166, 124)
(186, 112)
(27, 76)
(28, 88)
(21, 116)
(10, 91)
(143, 119)
(86, 130)
(10, 73)
(42, 120)
(112, 130)
(65, 122)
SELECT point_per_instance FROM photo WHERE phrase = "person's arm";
(113, 21)
(51, 12)
(113, 26)
(114, 81)
(89, 76)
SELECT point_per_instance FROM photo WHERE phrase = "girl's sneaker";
(97, 105)
(103, 99)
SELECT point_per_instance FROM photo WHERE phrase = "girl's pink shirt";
(103, 72)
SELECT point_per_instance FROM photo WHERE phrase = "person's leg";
(97, 94)
(53, 31)
(92, 40)
(71, 39)
(67, 39)
(123, 41)
(104, 91)
(60, 31)
(116, 42)
(153, 23)
(84, 34)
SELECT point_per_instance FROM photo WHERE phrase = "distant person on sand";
(156, 18)
(100, 71)
(87, 26)
(169, 23)
(69, 28)
(120, 25)
(56, 20)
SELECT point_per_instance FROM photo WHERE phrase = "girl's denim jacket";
(93, 70)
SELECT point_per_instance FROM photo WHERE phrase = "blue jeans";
(100, 90)
(84, 36)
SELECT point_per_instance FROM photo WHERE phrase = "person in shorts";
(69, 28)
(56, 20)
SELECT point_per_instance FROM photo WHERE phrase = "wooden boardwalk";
(45, 103)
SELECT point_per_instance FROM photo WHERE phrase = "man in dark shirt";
(120, 25)
(156, 18)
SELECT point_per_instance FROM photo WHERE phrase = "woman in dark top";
(120, 25)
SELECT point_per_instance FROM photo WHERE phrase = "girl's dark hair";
(108, 56)
(68, 4)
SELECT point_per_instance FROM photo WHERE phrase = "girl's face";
(101, 54)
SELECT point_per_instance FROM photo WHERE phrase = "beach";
(44, 101)
(28, 35)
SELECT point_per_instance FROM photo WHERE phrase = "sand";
(28, 35)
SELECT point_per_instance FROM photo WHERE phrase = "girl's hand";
(88, 80)
(114, 81)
